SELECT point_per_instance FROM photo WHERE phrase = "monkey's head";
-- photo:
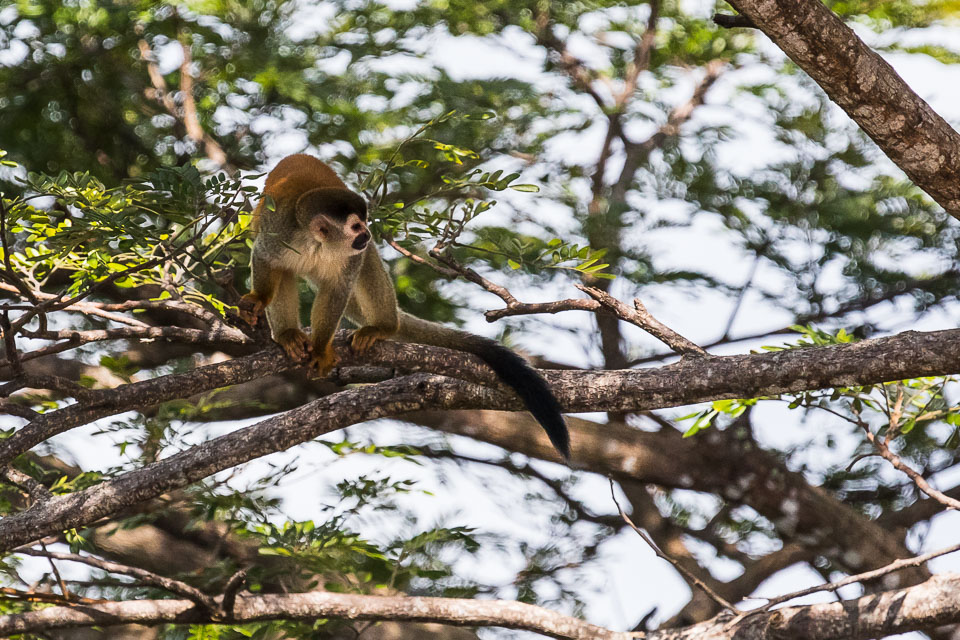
(334, 216)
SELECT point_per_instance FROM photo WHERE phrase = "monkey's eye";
(357, 227)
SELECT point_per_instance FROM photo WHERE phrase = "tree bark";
(933, 603)
(864, 85)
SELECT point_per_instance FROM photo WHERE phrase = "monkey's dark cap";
(333, 201)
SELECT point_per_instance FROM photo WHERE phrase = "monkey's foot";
(249, 308)
(365, 337)
(295, 343)
(323, 360)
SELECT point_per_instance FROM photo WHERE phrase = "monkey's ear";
(320, 227)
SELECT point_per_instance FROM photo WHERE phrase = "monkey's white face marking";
(355, 229)
(348, 236)
(322, 253)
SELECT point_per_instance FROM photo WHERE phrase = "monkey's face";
(335, 217)
(350, 233)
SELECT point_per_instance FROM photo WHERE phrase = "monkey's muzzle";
(360, 242)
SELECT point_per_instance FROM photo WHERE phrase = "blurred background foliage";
(759, 209)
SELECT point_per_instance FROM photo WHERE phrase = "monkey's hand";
(250, 307)
(295, 343)
(365, 337)
(323, 359)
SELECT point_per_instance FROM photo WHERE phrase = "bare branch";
(642, 318)
(36, 491)
(474, 277)
(866, 576)
(448, 273)
(933, 603)
(175, 587)
(660, 554)
(529, 308)
(883, 449)
(222, 334)
(230, 591)
(318, 604)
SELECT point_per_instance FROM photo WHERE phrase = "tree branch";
(933, 603)
(864, 85)
(175, 587)
(315, 605)
(691, 380)
(640, 317)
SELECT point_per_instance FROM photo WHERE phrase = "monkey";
(316, 229)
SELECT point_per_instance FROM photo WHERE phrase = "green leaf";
(954, 440)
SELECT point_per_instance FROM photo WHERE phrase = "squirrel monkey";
(317, 230)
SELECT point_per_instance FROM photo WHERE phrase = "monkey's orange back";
(291, 178)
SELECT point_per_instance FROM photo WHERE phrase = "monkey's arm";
(373, 305)
(325, 317)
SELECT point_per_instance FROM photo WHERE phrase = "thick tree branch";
(906, 355)
(933, 603)
(716, 462)
(911, 133)
(318, 605)
(269, 436)
(693, 380)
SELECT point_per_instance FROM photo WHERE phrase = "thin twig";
(147, 577)
(474, 277)
(39, 596)
(449, 273)
(738, 303)
(557, 306)
(896, 565)
(884, 450)
(716, 597)
(56, 573)
(640, 317)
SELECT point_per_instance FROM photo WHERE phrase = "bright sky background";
(630, 580)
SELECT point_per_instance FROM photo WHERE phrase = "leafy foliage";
(129, 205)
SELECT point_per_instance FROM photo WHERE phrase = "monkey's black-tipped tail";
(529, 385)
(509, 367)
